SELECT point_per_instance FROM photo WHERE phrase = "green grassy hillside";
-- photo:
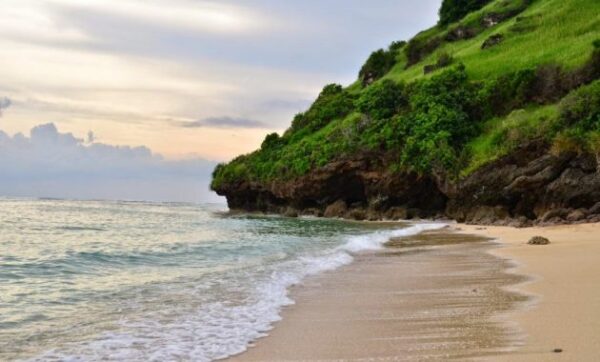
(454, 97)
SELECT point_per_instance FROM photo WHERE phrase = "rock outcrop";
(530, 185)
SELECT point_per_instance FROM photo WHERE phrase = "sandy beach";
(454, 296)
(566, 284)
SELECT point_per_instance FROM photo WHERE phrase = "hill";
(491, 116)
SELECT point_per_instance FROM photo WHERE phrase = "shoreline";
(446, 301)
(554, 308)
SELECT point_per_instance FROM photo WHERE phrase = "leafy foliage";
(271, 141)
(581, 108)
(379, 63)
(442, 120)
(459, 118)
(333, 102)
(382, 100)
(454, 10)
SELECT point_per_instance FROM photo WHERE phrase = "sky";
(139, 99)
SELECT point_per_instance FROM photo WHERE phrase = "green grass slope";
(454, 97)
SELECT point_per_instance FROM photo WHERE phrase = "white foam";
(376, 240)
(219, 329)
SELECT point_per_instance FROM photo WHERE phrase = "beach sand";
(475, 300)
(436, 296)
(566, 282)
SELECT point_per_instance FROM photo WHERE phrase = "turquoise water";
(93, 280)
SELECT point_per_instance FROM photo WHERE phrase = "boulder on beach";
(538, 240)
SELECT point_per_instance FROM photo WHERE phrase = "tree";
(454, 10)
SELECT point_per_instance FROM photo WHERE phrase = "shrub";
(442, 119)
(271, 141)
(505, 93)
(581, 108)
(418, 48)
(378, 64)
(382, 100)
(444, 60)
(454, 10)
(570, 140)
(333, 103)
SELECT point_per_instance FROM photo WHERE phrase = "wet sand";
(437, 296)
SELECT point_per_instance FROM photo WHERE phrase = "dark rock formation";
(529, 186)
(337, 209)
(460, 33)
(493, 40)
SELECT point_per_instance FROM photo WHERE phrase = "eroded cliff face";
(529, 186)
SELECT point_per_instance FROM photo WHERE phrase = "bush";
(378, 64)
(442, 120)
(382, 100)
(271, 141)
(444, 60)
(333, 103)
(581, 108)
(454, 10)
(573, 140)
(418, 48)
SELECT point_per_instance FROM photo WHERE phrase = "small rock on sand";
(538, 240)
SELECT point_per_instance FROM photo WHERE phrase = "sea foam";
(220, 329)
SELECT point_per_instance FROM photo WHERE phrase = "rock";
(313, 211)
(460, 33)
(595, 209)
(577, 215)
(356, 214)
(558, 213)
(538, 240)
(337, 209)
(414, 213)
(290, 212)
(493, 40)
(530, 184)
(396, 213)
(491, 19)
(487, 214)
(373, 215)
(519, 222)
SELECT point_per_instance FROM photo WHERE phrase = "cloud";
(4, 103)
(132, 67)
(48, 163)
(223, 122)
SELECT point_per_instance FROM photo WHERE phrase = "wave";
(221, 329)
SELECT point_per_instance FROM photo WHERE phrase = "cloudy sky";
(168, 87)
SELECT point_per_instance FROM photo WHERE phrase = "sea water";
(134, 281)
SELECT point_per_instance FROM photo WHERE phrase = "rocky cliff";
(531, 185)
(492, 118)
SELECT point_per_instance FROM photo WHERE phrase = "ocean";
(136, 281)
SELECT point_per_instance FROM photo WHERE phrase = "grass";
(563, 32)
(558, 32)
(501, 135)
